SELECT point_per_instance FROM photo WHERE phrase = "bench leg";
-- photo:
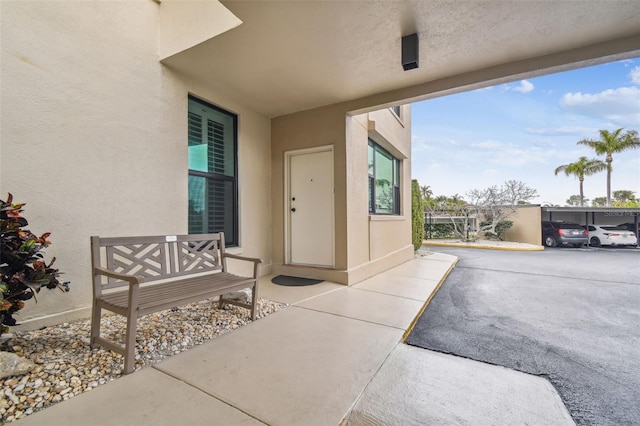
(130, 344)
(254, 300)
(96, 314)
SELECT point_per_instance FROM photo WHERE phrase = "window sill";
(383, 218)
(233, 250)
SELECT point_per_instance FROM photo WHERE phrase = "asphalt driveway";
(569, 315)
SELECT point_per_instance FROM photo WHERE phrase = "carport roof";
(633, 210)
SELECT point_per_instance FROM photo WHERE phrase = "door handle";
(293, 209)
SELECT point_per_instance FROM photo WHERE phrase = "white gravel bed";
(66, 366)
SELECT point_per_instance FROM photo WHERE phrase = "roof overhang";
(288, 56)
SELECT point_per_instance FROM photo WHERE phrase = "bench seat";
(157, 297)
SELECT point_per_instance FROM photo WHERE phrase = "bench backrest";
(156, 257)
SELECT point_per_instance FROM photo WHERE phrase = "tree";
(610, 143)
(624, 196)
(456, 209)
(417, 215)
(426, 191)
(581, 168)
(599, 202)
(577, 201)
(494, 204)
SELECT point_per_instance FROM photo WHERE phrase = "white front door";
(309, 207)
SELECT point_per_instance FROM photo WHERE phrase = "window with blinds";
(212, 145)
(384, 181)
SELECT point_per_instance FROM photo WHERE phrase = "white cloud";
(416, 139)
(488, 144)
(491, 173)
(421, 143)
(562, 131)
(621, 106)
(525, 87)
(634, 75)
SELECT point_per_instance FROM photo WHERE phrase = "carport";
(594, 215)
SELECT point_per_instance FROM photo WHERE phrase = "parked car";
(556, 233)
(611, 235)
(631, 227)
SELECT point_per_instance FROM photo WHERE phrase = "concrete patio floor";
(334, 356)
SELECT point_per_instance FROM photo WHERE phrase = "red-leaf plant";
(23, 272)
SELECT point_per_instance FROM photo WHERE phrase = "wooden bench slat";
(153, 294)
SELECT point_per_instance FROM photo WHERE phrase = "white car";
(610, 235)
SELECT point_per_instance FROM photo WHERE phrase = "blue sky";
(525, 129)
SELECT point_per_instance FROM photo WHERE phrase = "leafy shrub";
(417, 215)
(498, 230)
(23, 271)
(440, 230)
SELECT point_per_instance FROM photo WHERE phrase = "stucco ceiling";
(288, 56)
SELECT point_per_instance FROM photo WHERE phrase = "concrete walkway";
(333, 357)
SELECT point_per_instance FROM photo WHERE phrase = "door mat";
(293, 281)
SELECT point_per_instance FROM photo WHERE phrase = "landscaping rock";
(13, 365)
(241, 296)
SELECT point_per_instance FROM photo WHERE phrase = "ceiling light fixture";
(410, 57)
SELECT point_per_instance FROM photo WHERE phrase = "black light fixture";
(410, 57)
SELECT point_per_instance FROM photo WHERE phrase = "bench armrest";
(132, 279)
(255, 261)
(248, 259)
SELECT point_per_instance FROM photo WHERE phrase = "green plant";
(440, 230)
(417, 215)
(23, 271)
(500, 228)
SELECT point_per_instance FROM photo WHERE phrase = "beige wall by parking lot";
(526, 226)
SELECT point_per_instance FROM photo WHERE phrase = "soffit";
(289, 56)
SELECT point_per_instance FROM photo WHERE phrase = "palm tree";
(426, 192)
(610, 143)
(581, 168)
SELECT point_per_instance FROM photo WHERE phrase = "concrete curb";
(426, 303)
(482, 246)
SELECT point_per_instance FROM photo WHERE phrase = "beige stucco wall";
(378, 242)
(93, 136)
(526, 226)
(205, 21)
(93, 139)
(364, 245)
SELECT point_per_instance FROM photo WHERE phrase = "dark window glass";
(212, 136)
(384, 181)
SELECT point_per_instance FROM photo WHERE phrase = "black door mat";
(293, 281)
